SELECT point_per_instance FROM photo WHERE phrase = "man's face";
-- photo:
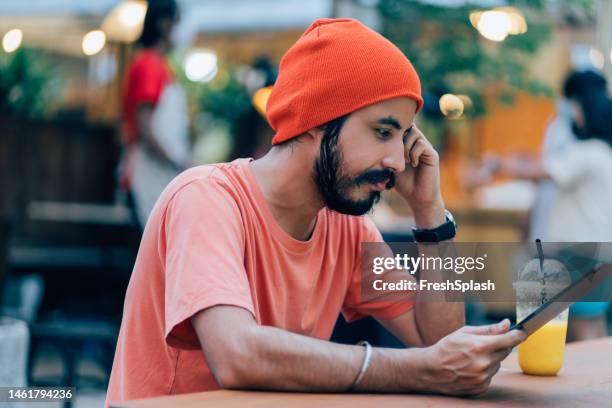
(360, 155)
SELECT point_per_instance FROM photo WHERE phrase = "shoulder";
(148, 61)
(201, 198)
(201, 182)
(593, 152)
(595, 147)
(146, 56)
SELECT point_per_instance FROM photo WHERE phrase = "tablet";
(557, 304)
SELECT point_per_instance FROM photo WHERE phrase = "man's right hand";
(465, 361)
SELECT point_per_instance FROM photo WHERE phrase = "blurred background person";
(577, 159)
(155, 113)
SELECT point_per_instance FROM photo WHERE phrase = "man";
(244, 266)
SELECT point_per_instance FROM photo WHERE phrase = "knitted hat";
(336, 67)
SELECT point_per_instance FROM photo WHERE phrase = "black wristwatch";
(444, 232)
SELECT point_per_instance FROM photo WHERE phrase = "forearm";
(533, 171)
(435, 318)
(275, 359)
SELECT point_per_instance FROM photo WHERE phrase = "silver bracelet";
(364, 367)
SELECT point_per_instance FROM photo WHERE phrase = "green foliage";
(27, 84)
(225, 99)
(451, 55)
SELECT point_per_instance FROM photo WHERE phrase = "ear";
(316, 134)
(314, 137)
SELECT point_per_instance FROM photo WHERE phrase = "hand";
(478, 176)
(419, 183)
(465, 361)
(514, 165)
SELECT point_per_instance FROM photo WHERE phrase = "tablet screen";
(563, 299)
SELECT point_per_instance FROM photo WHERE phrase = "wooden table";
(584, 381)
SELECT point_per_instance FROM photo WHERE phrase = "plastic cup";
(542, 352)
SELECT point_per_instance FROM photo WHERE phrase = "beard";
(335, 185)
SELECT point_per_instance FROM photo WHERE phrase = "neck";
(283, 175)
(162, 47)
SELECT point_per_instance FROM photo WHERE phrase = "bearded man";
(245, 266)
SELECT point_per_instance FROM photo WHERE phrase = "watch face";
(450, 218)
(444, 232)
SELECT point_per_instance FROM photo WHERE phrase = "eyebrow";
(391, 121)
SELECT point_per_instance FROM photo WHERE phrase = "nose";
(395, 159)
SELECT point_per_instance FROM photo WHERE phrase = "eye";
(384, 133)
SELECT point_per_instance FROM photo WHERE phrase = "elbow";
(234, 367)
(232, 375)
(427, 341)
(229, 378)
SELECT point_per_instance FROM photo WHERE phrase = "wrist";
(427, 373)
(429, 215)
(414, 370)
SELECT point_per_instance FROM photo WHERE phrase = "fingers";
(500, 355)
(415, 134)
(496, 336)
(489, 329)
(507, 340)
(410, 142)
(418, 148)
(481, 380)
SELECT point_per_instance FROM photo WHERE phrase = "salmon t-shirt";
(212, 240)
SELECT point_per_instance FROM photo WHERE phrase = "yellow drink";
(542, 352)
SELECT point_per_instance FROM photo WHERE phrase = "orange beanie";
(336, 67)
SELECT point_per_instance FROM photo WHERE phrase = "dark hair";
(157, 10)
(579, 85)
(331, 131)
(588, 88)
(327, 167)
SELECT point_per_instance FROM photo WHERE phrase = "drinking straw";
(540, 254)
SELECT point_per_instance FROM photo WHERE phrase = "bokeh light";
(12, 40)
(451, 106)
(93, 42)
(260, 99)
(124, 22)
(200, 66)
(494, 25)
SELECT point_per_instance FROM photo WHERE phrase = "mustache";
(376, 176)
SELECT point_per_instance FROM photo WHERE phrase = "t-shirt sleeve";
(574, 162)
(204, 258)
(147, 81)
(358, 303)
